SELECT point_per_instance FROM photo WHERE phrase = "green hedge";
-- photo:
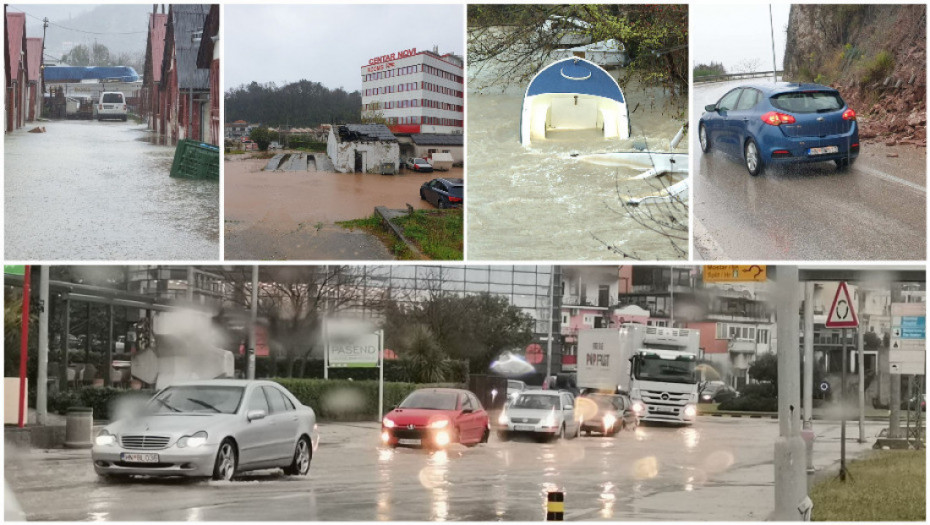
(99, 399)
(344, 400)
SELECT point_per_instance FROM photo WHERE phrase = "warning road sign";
(843, 312)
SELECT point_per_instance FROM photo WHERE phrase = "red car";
(435, 417)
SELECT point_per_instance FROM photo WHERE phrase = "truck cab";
(655, 365)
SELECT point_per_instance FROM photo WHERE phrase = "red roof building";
(34, 77)
(14, 42)
(151, 76)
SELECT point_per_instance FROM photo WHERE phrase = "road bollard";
(555, 506)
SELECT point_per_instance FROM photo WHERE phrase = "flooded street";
(541, 202)
(292, 214)
(873, 211)
(719, 469)
(88, 190)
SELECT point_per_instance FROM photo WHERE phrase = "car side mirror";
(253, 415)
(467, 410)
(710, 108)
(568, 407)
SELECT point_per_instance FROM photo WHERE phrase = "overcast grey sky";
(732, 34)
(330, 43)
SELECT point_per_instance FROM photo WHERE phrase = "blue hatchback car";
(784, 122)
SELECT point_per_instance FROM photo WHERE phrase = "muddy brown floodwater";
(88, 190)
(292, 215)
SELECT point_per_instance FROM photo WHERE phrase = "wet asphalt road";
(874, 211)
(88, 190)
(719, 469)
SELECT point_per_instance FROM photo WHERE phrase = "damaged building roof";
(155, 49)
(435, 139)
(33, 58)
(186, 25)
(364, 133)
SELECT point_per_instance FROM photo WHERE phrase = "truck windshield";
(651, 368)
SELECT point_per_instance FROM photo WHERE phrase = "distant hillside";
(876, 55)
(301, 104)
(106, 20)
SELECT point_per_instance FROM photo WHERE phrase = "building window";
(763, 338)
(588, 320)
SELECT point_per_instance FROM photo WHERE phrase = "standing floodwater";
(90, 190)
(542, 202)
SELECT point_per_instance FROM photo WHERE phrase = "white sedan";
(215, 428)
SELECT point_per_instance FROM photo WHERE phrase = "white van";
(112, 104)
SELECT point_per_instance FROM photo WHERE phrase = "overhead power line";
(78, 30)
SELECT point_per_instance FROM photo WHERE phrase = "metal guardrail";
(736, 76)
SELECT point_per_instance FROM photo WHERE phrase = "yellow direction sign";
(734, 273)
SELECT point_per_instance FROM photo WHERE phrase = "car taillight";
(773, 118)
(849, 114)
(455, 199)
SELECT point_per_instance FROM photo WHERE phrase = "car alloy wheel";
(422, 196)
(302, 457)
(753, 159)
(702, 135)
(441, 204)
(225, 467)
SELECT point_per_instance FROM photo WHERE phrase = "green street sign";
(14, 270)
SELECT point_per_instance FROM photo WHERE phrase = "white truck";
(654, 365)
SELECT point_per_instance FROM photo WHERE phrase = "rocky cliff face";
(875, 55)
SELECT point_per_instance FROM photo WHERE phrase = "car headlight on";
(193, 441)
(609, 420)
(104, 438)
(690, 411)
(549, 421)
(439, 423)
(503, 419)
(388, 423)
(639, 408)
(442, 438)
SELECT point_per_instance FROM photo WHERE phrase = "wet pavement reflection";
(88, 190)
(719, 469)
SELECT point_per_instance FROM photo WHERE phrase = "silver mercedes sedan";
(215, 428)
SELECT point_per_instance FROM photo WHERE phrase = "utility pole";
(807, 431)
(844, 360)
(551, 314)
(860, 364)
(42, 380)
(250, 351)
(791, 501)
(774, 63)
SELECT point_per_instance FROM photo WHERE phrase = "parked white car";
(112, 105)
(215, 428)
(544, 413)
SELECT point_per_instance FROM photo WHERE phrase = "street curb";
(705, 245)
(774, 415)
(386, 215)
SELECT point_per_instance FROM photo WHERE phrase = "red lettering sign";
(393, 56)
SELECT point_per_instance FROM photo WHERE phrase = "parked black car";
(444, 193)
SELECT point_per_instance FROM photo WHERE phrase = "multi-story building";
(736, 321)
(415, 91)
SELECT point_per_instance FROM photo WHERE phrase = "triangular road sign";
(843, 311)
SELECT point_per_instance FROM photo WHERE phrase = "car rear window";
(456, 191)
(113, 98)
(808, 101)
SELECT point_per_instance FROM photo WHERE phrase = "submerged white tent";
(573, 94)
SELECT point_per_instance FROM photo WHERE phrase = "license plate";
(665, 410)
(524, 428)
(409, 441)
(138, 458)
(823, 151)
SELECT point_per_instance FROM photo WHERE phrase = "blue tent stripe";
(575, 75)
